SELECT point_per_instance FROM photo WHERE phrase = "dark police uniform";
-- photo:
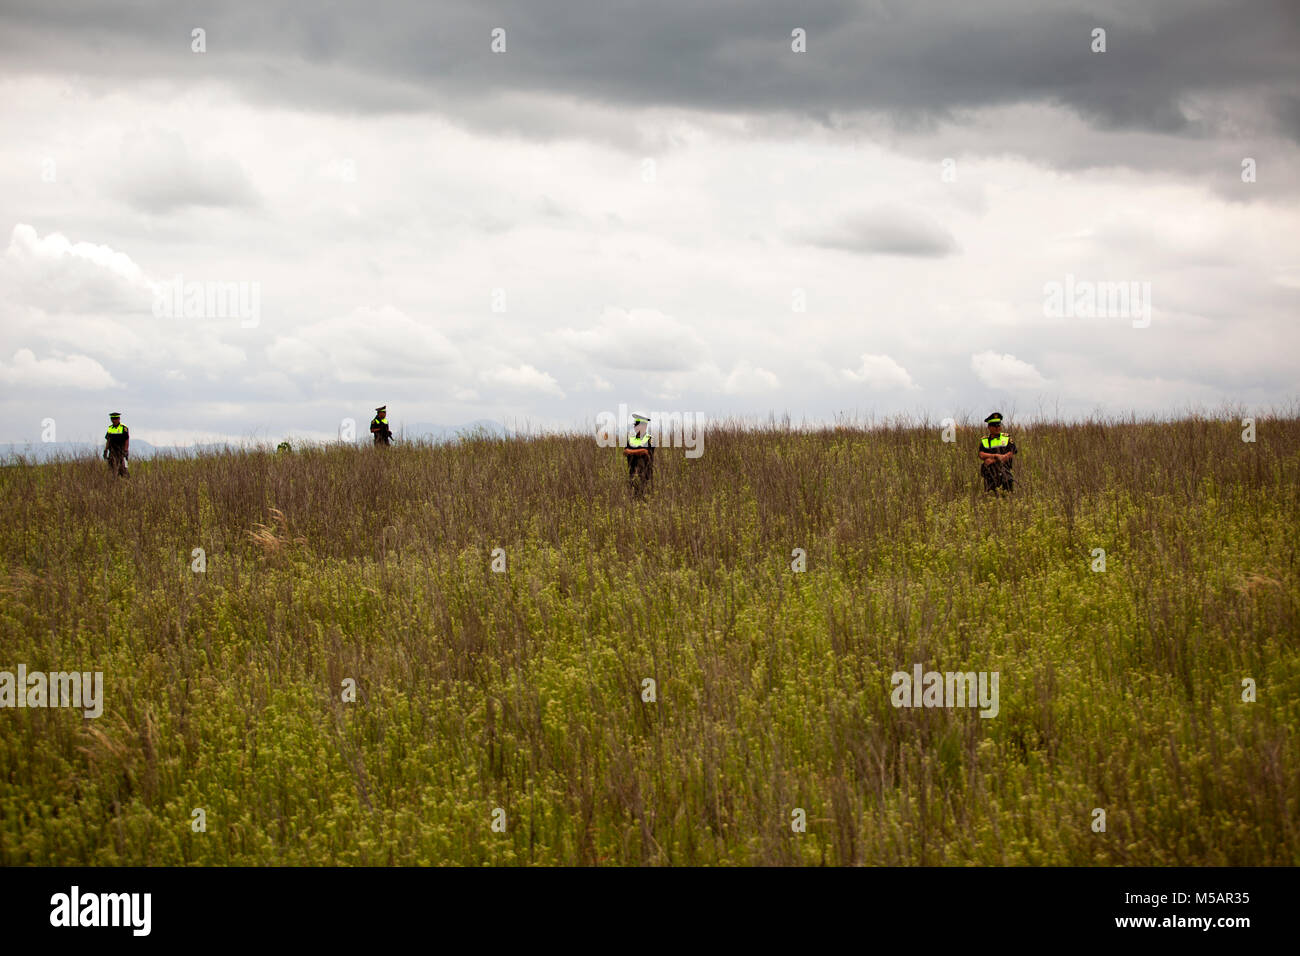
(117, 437)
(379, 427)
(640, 468)
(997, 474)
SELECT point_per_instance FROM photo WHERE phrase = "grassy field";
(522, 690)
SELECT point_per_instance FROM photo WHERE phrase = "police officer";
(117, 445)
(640, 452)
(997, 455)
(379, 427)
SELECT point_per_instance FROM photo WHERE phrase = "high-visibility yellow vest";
(634, 442)
(116, 429)
(998, 442)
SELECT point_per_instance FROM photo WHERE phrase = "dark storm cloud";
(915, 61)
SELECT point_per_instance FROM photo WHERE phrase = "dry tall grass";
(522, 690)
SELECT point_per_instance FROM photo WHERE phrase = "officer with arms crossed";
(640, 452)
(997, 455)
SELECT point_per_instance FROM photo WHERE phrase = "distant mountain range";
(141, 449)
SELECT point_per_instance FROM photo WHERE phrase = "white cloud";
(878, 372)
(747, 378)
(523, 378)
(26, 243)
(73, 371)
(886, 230)
(640, 339)
(57, 274)
(1005, 371)
(202, 351)
(159, 174)
(366, 345)
(570, 229)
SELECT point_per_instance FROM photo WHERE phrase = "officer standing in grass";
(640, 452)
(117, 445)
(997, 455)
(379, 427)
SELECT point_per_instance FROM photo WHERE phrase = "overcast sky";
(664, 205)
